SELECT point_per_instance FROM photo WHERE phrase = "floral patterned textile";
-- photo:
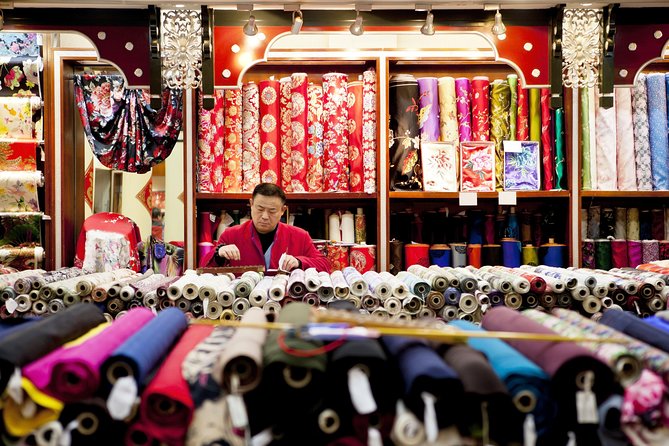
(299, 125)
(19, 44)
(463, 95)
(477, 172)
(404, 137)
(335, 133)
(521, 168)
(210, 145)
(369, 130)
(250, 137)
(315, 139)
(285, 134)
(500, 101)
(547, 148)
(88, 185)
(480, 109)
(20, 76)
(106, 251)
(270, 142)
(232, 155)
(218, 141)
(363, 258)
(338, 256)
(18, 191)
(20, 229)
(523, 122)
(355, 156)
(16, 117)
(18, 155)
(22, 258)
(122, 128)
(644, 177)
(440, 166)
(428, 114)
(448, 115)
(645, 408)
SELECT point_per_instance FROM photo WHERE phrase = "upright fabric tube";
(620, 232)
(547, 150)
(355, 155)
(657, 224)
(650, 251)
(429, 109)
(285, 133)
(593, 103)
(561, 178)
(619, 253)
(232, 156)
(607, 177)
(448, 114)
(500, 98)
(315, 139)
(644, 175)
(625, 140)
(535, 114)
(512, 79)
(299, 122)
(634, 253)
(603, 254)
(369, 144)
(633, 224)
(588, 253)
(586, 175)
(270, 142)
(480, 108)
(404, 153)
(463, 92)
(657, 126)
(250, 137)
(523, 121)
(335, 133)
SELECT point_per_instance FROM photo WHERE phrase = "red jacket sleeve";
(312, 257)
(210, 259)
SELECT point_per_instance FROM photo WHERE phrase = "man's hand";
(230, 252)
(289, 263)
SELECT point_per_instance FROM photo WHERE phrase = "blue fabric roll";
(657, 125)
(520, 375)
(147, 347)
(452, 296)
(440, 256)
(637, 328)
(553, 255)
(476, 228)
(512, 229)
(511, 253)
(658, 322)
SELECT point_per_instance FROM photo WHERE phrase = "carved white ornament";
(181, 50)
(581, 47)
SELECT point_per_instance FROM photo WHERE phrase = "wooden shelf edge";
(483, 195)
(301, 196)
(625, 193)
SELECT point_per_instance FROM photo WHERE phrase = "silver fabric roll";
(377, 285)
(341, 288)
(259, 294)
(240, 305)
(326, 289)
(356, 283)
(277, 290)
(398, 288)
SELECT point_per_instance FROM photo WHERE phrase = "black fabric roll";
(607, 223)
(431, 227)
(95, 425)
(396, 256)
(645, 224)
(491, 255)
(405, 173)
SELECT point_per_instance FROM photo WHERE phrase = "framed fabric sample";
(477, 172)
(440, 166)
(521, 165)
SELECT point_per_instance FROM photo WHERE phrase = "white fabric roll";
(348, 228)
(334, 230)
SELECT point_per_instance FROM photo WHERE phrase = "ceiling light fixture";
(499, 29)
(250, 28)
(357, 28)
(428, 27)
(298, 21)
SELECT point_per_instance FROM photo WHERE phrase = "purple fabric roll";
(463, 91)
(428, 117)
(634, 253)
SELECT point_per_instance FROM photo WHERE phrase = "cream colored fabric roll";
(448, 118)
(625, 140)
(607, 176)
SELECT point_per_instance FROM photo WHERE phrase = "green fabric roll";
(560, 158)
(585, 139)
(535, 114)
(603, 254)
(293, 313)
(513, 108)
(500, 101)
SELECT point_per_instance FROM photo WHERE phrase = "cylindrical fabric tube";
(511, 253)
(205, 147)
(416, 254)
(354, 90)
(396, 256)
(620, 231)
(480, 108)
(634, 253)
(338, 256)
(619, 253)
(588, 253)
(607, 225)
(369, 145)
(547, 149)
(491, 255)
(459, 254)
(625, 139)
(362, 257)
(633, 226)
(553, 254)
(594, 219)
(607, 178)
(315, 138)
(489, 229)
(586, 174)
(523, 120)
(644, 173)
(347, 227)
(463, 94)
(448, 114)
(664, 250)
(269, 131)
(593, 104)
(476, 227)
(657, 127)
(335, 133)
(440, 255)
(232, 156)
(285, 134)
(500, 99)
(650, 251)
(299, 122)
(535, 113)
(526, 226)
(666, 224)
(512, 80)
(360, 227)
(404, 152)
(429, 108)
(250, 136)
(603, 254)
(657, 224)
(474, 255)
(530, 255)
(645, 225)
(561, 179)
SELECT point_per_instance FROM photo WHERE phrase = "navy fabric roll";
(637, 328)
(658, 322)
(452, 296)
(424, 371)
(511, 253)
(142, 352)
(476, 228)
(645, 225)
(657, 125)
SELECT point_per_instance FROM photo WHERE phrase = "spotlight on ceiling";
(498, 28)
(428, 27)
(298, 21)
(357, 28)
(250, 28)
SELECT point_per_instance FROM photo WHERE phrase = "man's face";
(266, 213)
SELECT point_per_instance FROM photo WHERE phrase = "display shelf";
(625, 193)
(485, 195)
(304, 196)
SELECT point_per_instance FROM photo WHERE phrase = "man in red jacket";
(264, 239)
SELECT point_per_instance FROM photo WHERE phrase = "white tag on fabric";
(66, 437)
(572, 439)
(529, 431)
(262, 438)
(586, 402)
(212, 218)
(374, 437)
(507, 198)
(11, 305)
(14, 386)
(154, 311)
(28, 408)
(122, 398)
(361, 391)
(237, 411)
(430, 417)
(512, 146)
(468, 199)
(282, 259)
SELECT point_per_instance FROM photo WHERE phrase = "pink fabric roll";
(286, 134)
(547, 150)
(335, 133)
(480, 108)
(250, 137)
(650, 251)
(369, 130)
(204, 250)
(73, 374)
(270, 138)
(634, 253)
(463, 101)
(299, 124)
(355, 136)
(315, 138)
(232, 156)
(619, 254)
(625, 140)
(607, 176)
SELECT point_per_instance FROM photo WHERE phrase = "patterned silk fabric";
(657, 124)
(500, 100)
(463, 92)
(335, 133)
(625, 140)
(355, 155)
(299, 125)
(404, 157)
(18, 155)
(315, 139)
(286, 133)
(522, 126)
(478, 166)
(644, 176)
(480, 109)
(270, 139)
(512, 79)
(547, 149)
(250, 137)
(369, 146)
(448, 115)
(232, 154)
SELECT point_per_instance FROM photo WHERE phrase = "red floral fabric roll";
(363, 257)
(299, 124)
(218, 142)
(547, 150)
(269, 131)
(315, 138)
(232, 155)
(369, 131)
(285, 133)
(18, 155)
(206, 137)
(335, 133)
(250, 137)
(480, 109)
(355, 155)
(338, 256)
(523, 123)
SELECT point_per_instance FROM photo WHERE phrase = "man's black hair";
(269, 190)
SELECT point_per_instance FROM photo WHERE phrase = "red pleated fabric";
(299, 124)
(355, 136)
(315, 138)
(270, 139)
(522, 120)
(480, 108)
(369, 130)
(285, 134)
(167, 407)
(547, 149)
(232, 156)
(335, 133)
(250, 137)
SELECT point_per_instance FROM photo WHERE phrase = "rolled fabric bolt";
(34, 295)
(496, 297)
(530, 300)
(452, 296)
(183, 304)
(8, 293)
(377, 285)
(278, 287)
(341, 288)
(607, 302)
(150, 299)
(449, 312)
(468, 303)
(56, 305)
(463, 316)
(412, 304)
(580, 292)
(311, 299)
(165, 303)
(447, 272)
(435, 300)
(547, 301)
(325, 290)
(296, 283)
(427, 313)
(39, 307)
(127, 292)
(484, 286)
(482, 298)
(564, 300)
(213, 310)
(312, 280)
(370, 302)
(513, 300)
(356, 282)
(240, 305)
(416, 285)
(392, 305)
(23, 303)
(259, 294)
(656, 304)
(591, 304)
(226, 296)
(241, 287)
(70, 299)
(229, 315)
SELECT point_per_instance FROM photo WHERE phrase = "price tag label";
(468, 198)
(507, 198)
(513, 146)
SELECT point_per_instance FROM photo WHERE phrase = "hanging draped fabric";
(123, 130)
